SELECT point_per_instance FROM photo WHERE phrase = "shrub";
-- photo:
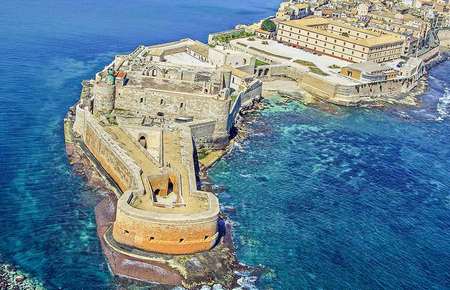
(268, 25)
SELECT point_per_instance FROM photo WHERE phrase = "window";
(181, 240)
(181, 105)
(206, 237)
(151, 238)
(141, 100)
(161, 102)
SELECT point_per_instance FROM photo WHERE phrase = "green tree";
(268, 25)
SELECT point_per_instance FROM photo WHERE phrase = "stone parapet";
(167, 232)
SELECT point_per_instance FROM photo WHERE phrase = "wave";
(443, 105)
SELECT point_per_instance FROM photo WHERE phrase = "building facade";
(341, 40)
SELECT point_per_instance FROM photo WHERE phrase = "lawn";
(259, 62)
(312, 67)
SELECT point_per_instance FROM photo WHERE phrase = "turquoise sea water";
(354, 200)
(359, 199)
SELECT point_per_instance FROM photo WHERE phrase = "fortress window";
(152, 238)
(161, 102)
(181, 106)
(206, 237)
(142, 100)
(181, 240)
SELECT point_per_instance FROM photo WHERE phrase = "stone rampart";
(202, 131)
(171, 233)
(318, 86)
(281, 70)
(151, 102)
(113, 159)
(430, 55)
(253, 91)
(352, 94)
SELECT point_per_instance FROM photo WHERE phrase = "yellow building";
(340, 39)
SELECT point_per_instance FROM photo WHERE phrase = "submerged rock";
(12, 278)
(20, 278)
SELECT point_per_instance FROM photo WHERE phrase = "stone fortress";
(142, 118)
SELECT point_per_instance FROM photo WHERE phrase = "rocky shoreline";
(12, 278)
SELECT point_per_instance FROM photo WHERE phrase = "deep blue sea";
(356, 199)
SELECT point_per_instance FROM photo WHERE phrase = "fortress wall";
(176, 237)
(202, 132)
(170, 233)
(80, 121)
(174, 104)
(284, 71)
(103, 97)
(347, 94)
(113, 159)
(430, 55)
(253, 91)
(318, 86)
(234, 112)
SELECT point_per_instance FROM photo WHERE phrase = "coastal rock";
(12, 278)
(20, 278)
(217, 287)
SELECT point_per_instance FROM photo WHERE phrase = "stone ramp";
(148, 167)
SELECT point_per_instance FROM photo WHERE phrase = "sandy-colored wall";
(177, 237)
(112, 158)
(150, 102)
(318, 86)
(172, 233)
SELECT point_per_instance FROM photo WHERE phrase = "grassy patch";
(202, 153)
(333, 66)
(318, 71)
(312, 67)
(259, 62)
(228, 36)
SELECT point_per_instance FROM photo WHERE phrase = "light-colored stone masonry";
(140, 118)
(135, 227)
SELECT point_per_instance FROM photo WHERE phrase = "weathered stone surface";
(20, 278)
